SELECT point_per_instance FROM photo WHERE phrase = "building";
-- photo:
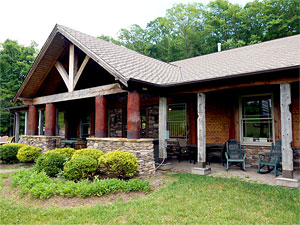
(81, 86)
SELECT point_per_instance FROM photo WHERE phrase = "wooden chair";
(234, 154)
(183, 149)
(273, 159)
(80, 144)
(4, 139)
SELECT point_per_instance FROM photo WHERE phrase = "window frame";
(241, 120)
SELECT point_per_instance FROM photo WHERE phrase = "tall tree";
(15, 61)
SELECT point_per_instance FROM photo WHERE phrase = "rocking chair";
(234, 154)
(273, 160)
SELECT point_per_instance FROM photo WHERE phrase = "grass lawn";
(190, 199)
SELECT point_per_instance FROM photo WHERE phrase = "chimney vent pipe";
(219, 47)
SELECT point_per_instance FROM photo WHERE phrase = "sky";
(33, 20)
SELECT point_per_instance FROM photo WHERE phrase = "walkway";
(217, 170)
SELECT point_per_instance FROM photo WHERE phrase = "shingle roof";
(125, 63)
(269, 55)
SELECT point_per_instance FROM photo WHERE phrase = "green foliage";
(67, 152)
(18, 145)
(39, 185)
(15, 61)
(28, 154)
(190, 30)
(119, 164)
(51, 163)
(93, 153)
(8, 153)
(80, 167)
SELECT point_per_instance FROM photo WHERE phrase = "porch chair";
(80, 143)
(183, 149)
(273, 159)
(234, 154)
(4, 139)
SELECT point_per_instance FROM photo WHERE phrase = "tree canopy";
(190, 30)
(15, 61)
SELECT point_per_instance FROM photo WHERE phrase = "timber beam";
(80, 94)
(74, 74)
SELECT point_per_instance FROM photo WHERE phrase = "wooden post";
(92, 130)
(201, 134)
(286, 131)
(162, 127)
(100, 117)
(17, 126)
(32, 121)
(50, 120)
(71, 68)
(41, 122)
(26, 123)
(133, 115)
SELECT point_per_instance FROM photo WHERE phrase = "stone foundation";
(142, 149)
(44, 142)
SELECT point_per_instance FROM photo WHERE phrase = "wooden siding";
(295, 110)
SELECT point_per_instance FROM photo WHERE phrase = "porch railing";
(177, 128)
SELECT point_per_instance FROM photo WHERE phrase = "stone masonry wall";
(142, 149)
(115, 122)
(253, 151)
(44, 142)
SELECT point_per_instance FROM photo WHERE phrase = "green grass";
(190, 199)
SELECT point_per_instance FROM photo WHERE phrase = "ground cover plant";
(190, 199)
(39, 185)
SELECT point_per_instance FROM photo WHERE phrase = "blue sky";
(34, 19)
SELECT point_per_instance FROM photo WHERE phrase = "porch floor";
(217, 170)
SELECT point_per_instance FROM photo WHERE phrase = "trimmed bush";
(8, 153)
(80, 167)
(119, 164)
(28, 154)
(91, 152)
(51, 163)
(67, 152)
(19, 145)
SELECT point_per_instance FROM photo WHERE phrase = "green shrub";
(91, 152)
(67, 152)
(80, 167)
(19, 145)
(51, 163)
(8, 153)
(28, 154)
(119, 164)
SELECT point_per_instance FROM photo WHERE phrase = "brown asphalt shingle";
(269, 55)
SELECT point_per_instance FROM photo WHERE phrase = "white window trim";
(241, 120)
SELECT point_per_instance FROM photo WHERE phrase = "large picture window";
(257, 119)
(177, 120)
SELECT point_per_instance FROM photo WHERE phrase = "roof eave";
(36, 62)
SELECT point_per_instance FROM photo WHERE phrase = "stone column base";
(201, 171)
(287, 182)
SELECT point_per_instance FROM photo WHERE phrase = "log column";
(286, 131)
(162, 129)
(50, 116)
(133, 115)
(32, 120)
(100, 117)
(17, 126)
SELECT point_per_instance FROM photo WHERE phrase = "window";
(257, 119)
(177, 120)
(61, 123)
(85, 126)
